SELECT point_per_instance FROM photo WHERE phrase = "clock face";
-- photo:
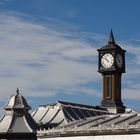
(119, 60)
(107, 60)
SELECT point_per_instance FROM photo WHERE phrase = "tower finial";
(111, 37)
(17, 91)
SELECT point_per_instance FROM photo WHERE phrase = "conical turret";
(111, 37)
(17, 120)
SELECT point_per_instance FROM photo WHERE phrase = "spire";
(17, 91)
(111, 37)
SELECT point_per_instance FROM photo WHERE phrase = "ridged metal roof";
(70, 119)
(104, 124)
(62, 113)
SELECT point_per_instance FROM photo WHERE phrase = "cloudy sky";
(48, 49)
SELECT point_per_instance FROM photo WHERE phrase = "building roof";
(106, 124)
(17, 119)
(66, 119)
(62, 113)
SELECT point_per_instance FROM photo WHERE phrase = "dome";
(17, 102)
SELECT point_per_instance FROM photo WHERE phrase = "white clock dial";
(107, 60)
(119, 60)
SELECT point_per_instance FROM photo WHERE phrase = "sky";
(48, 49)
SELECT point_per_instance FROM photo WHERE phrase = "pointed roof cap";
(17, 91)
(17, 102)
(111, 37)
(111, 45)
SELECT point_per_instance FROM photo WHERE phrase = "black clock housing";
(114, 50)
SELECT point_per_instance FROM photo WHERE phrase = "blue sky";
(48, 49)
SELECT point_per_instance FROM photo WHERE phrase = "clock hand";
(106, 59)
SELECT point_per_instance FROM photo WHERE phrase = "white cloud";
(81, 52)
(42, 61)
(131, 93)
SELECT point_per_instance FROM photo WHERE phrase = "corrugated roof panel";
(85, 113)
(10, 103)
(92, 112)
(133, 120)
(71, 113)
(67, 116)
(124, 118)
(40, 113)
(50, 115)
(104, 120)
(5, 123)
(77, 113)
(58, 118)
(89, 121)
(94, 122)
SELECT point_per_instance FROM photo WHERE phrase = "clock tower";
(111, 64)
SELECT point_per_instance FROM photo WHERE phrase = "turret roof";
(17, 119)
(111, 45)
(17, 102)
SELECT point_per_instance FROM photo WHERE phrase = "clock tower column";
(111, 65)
